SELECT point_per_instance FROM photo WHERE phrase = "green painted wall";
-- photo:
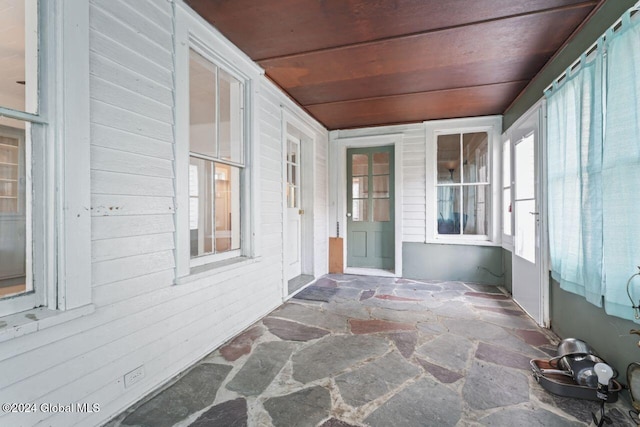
(573, 316)
(506, 262)
(479, 264)
(605, 17)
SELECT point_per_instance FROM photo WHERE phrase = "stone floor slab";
(312, 316)
(292, 331)
(424, 403)
(405, 342)
(191, 393)
(261, 368)
(474, 329)
(530, 418)
(333, 354)
(232, 413)
(443, 375)
(241, 345)
(333, 422)
(304, 408)
(488, 386)
(375, 379)
(503, 357)
(316, 293)
(373, 326)
(448, 350)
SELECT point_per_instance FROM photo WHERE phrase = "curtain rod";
(633, 10)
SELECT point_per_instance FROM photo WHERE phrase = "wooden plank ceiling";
(357, 63)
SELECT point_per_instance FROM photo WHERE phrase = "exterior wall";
(483, 264)
(142, 318)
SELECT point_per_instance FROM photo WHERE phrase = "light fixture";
(604, 373)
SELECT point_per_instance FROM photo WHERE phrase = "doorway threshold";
(369, 272)
(299, 282)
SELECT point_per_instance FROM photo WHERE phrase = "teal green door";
(370, 213)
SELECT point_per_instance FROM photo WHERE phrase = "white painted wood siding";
(141, 316)
(413, 175)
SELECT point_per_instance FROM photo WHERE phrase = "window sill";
(37, 319)
(465, 242)
(213, 268)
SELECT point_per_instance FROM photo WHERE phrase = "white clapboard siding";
(108, 159)
(112, 94)
(103, 182)
(142, 316)
(104, 68)
(104, 136)
(117, 205)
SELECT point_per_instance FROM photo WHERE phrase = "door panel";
(527, 283)
(293, 250)
(370, 201)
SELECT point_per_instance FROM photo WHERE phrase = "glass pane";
(475, 148)
(448, 210)
(506, 164)
(360, 187)
(476, 210)
(227, 207)
(19, 55)
(525, 168)
(292, 151)
(360, 210)
(381, 186)
(202, 106)
(231, 117)
(359, 164)
(294, 175)
(13, 211)
(525, 238)
(448, 159)
(380, 163)
(381, 210)
(201, 188)
(292, 196)
(506, 211)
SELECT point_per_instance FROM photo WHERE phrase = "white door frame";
(539, 109)
(293, 125)
(338, 182)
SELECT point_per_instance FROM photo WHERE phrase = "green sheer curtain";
(621, 166)
(574, 147)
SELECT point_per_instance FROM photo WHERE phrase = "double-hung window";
(45, 228)
(216, 159)
(462, 190)
(216, 177)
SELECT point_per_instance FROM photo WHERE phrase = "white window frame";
(59, 259)
(507, 239)
(492, 126)
(193, 33)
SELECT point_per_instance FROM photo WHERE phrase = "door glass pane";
(448, 210)
(476, 203)
(380, 163)
(506, 164)
(475, 163)
(292, 151)
(227, 207)
(360, 187)
(360, 210)
(202, 106)
(525, 168)
(506, 211)
(525, 238)
(359, 164)
(448, 159)
(381, 210)
(231, 117)
(19, 55)
(201, 192)
(381, 186)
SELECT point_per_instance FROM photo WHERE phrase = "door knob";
(349, 215)
(534, 213)
(300, 211)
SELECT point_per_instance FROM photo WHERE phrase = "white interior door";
(526, 259)
(293, 247)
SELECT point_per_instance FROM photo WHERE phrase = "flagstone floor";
(374, 351)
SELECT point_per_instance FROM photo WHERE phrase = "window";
(507, 208)
(41, 200)
(463, 189)
(463, 204)
(216, 158)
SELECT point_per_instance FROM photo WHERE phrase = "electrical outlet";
(134, 376)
